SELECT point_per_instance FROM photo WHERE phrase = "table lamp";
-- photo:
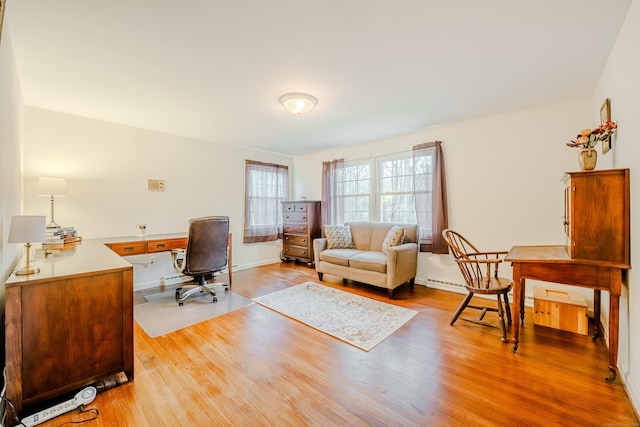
(48, 186)
(27, 229)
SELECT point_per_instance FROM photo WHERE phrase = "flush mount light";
(298, 103)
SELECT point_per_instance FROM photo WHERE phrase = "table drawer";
(166, 245)
(296, 251)
(296, 240)
(296, 228)
(129, 248)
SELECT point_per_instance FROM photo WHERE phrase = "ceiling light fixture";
(298, 103)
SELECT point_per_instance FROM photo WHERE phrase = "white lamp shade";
(48, 186)
(298, 103)
(27, 229)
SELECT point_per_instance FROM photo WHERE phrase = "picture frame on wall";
(2, 4)
(605, 116)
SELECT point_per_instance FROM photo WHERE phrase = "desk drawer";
(166, 245)
(129, 248)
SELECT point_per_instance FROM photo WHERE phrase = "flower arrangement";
(587, 139)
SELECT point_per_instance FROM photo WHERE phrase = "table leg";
(518, 305)
(596, 313)
(614, 315)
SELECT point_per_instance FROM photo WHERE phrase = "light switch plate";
(155, 185)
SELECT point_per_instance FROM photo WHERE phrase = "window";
(354, 190)
(390, 177)
(266, 187)
(407, 187)
(395, 189)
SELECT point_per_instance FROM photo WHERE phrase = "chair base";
(483, 311)
(200, 286)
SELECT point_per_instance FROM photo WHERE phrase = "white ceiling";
(214, 70)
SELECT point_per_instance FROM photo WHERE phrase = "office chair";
(480, 272)
(206, 254)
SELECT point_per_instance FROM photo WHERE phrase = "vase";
(587, 159)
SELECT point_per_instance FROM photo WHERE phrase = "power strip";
(83, 397)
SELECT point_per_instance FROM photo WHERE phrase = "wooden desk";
(553, 264)
(69, 325)
(137, 245)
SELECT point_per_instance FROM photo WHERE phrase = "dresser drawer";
(296, 251)
(130, 248)
(296, 228)
(166, 245)
(295, 217)
(296, 240)
(295, 207)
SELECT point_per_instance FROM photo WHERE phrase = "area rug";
(359, 321)
(162, 314)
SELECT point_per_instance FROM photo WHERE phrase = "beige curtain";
(332, 211)
(430, 193)
(266, 187)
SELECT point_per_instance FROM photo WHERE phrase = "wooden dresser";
(69, 325)
(301, 224)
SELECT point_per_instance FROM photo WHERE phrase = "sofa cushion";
(338, 256)
(338, 236)
(395, 236)
(369, 260)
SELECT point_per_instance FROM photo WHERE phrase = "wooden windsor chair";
(480, 272)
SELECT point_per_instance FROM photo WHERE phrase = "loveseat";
(379, 254)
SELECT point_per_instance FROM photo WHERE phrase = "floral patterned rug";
(360, 321)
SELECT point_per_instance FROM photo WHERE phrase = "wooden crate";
(560, 310)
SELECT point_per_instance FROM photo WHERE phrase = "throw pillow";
(338, 237)
(395, 236)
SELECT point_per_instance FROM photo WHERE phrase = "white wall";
(107, 167)
(11, 119)
(503, 178)
(620, 82)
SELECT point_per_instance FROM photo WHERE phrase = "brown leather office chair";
(480, 272)
(205, 256)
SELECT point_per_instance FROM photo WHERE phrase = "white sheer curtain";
(266, 187)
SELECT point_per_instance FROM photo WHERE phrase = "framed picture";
(2, 3)
(605, 116)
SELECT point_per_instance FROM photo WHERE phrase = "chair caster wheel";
(215, 299)
(226, 290)
(180, 304)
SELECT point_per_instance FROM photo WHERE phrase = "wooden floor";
(255, 367)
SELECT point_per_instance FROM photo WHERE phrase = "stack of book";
(58, 237)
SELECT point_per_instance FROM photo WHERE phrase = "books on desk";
(59, 237)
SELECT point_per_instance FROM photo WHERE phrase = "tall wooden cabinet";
(301, 224)
(597, 215)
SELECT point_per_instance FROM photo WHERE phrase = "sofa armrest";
(319, 245)
(402, 264)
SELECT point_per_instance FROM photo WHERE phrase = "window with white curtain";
(266, 187)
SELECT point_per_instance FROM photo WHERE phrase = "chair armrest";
(177, 258)
(319, 245)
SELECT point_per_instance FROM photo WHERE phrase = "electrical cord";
(84, 410)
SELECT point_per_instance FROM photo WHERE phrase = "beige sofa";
(366, 262)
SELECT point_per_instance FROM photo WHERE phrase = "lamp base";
(26, 271)
(52, 225)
